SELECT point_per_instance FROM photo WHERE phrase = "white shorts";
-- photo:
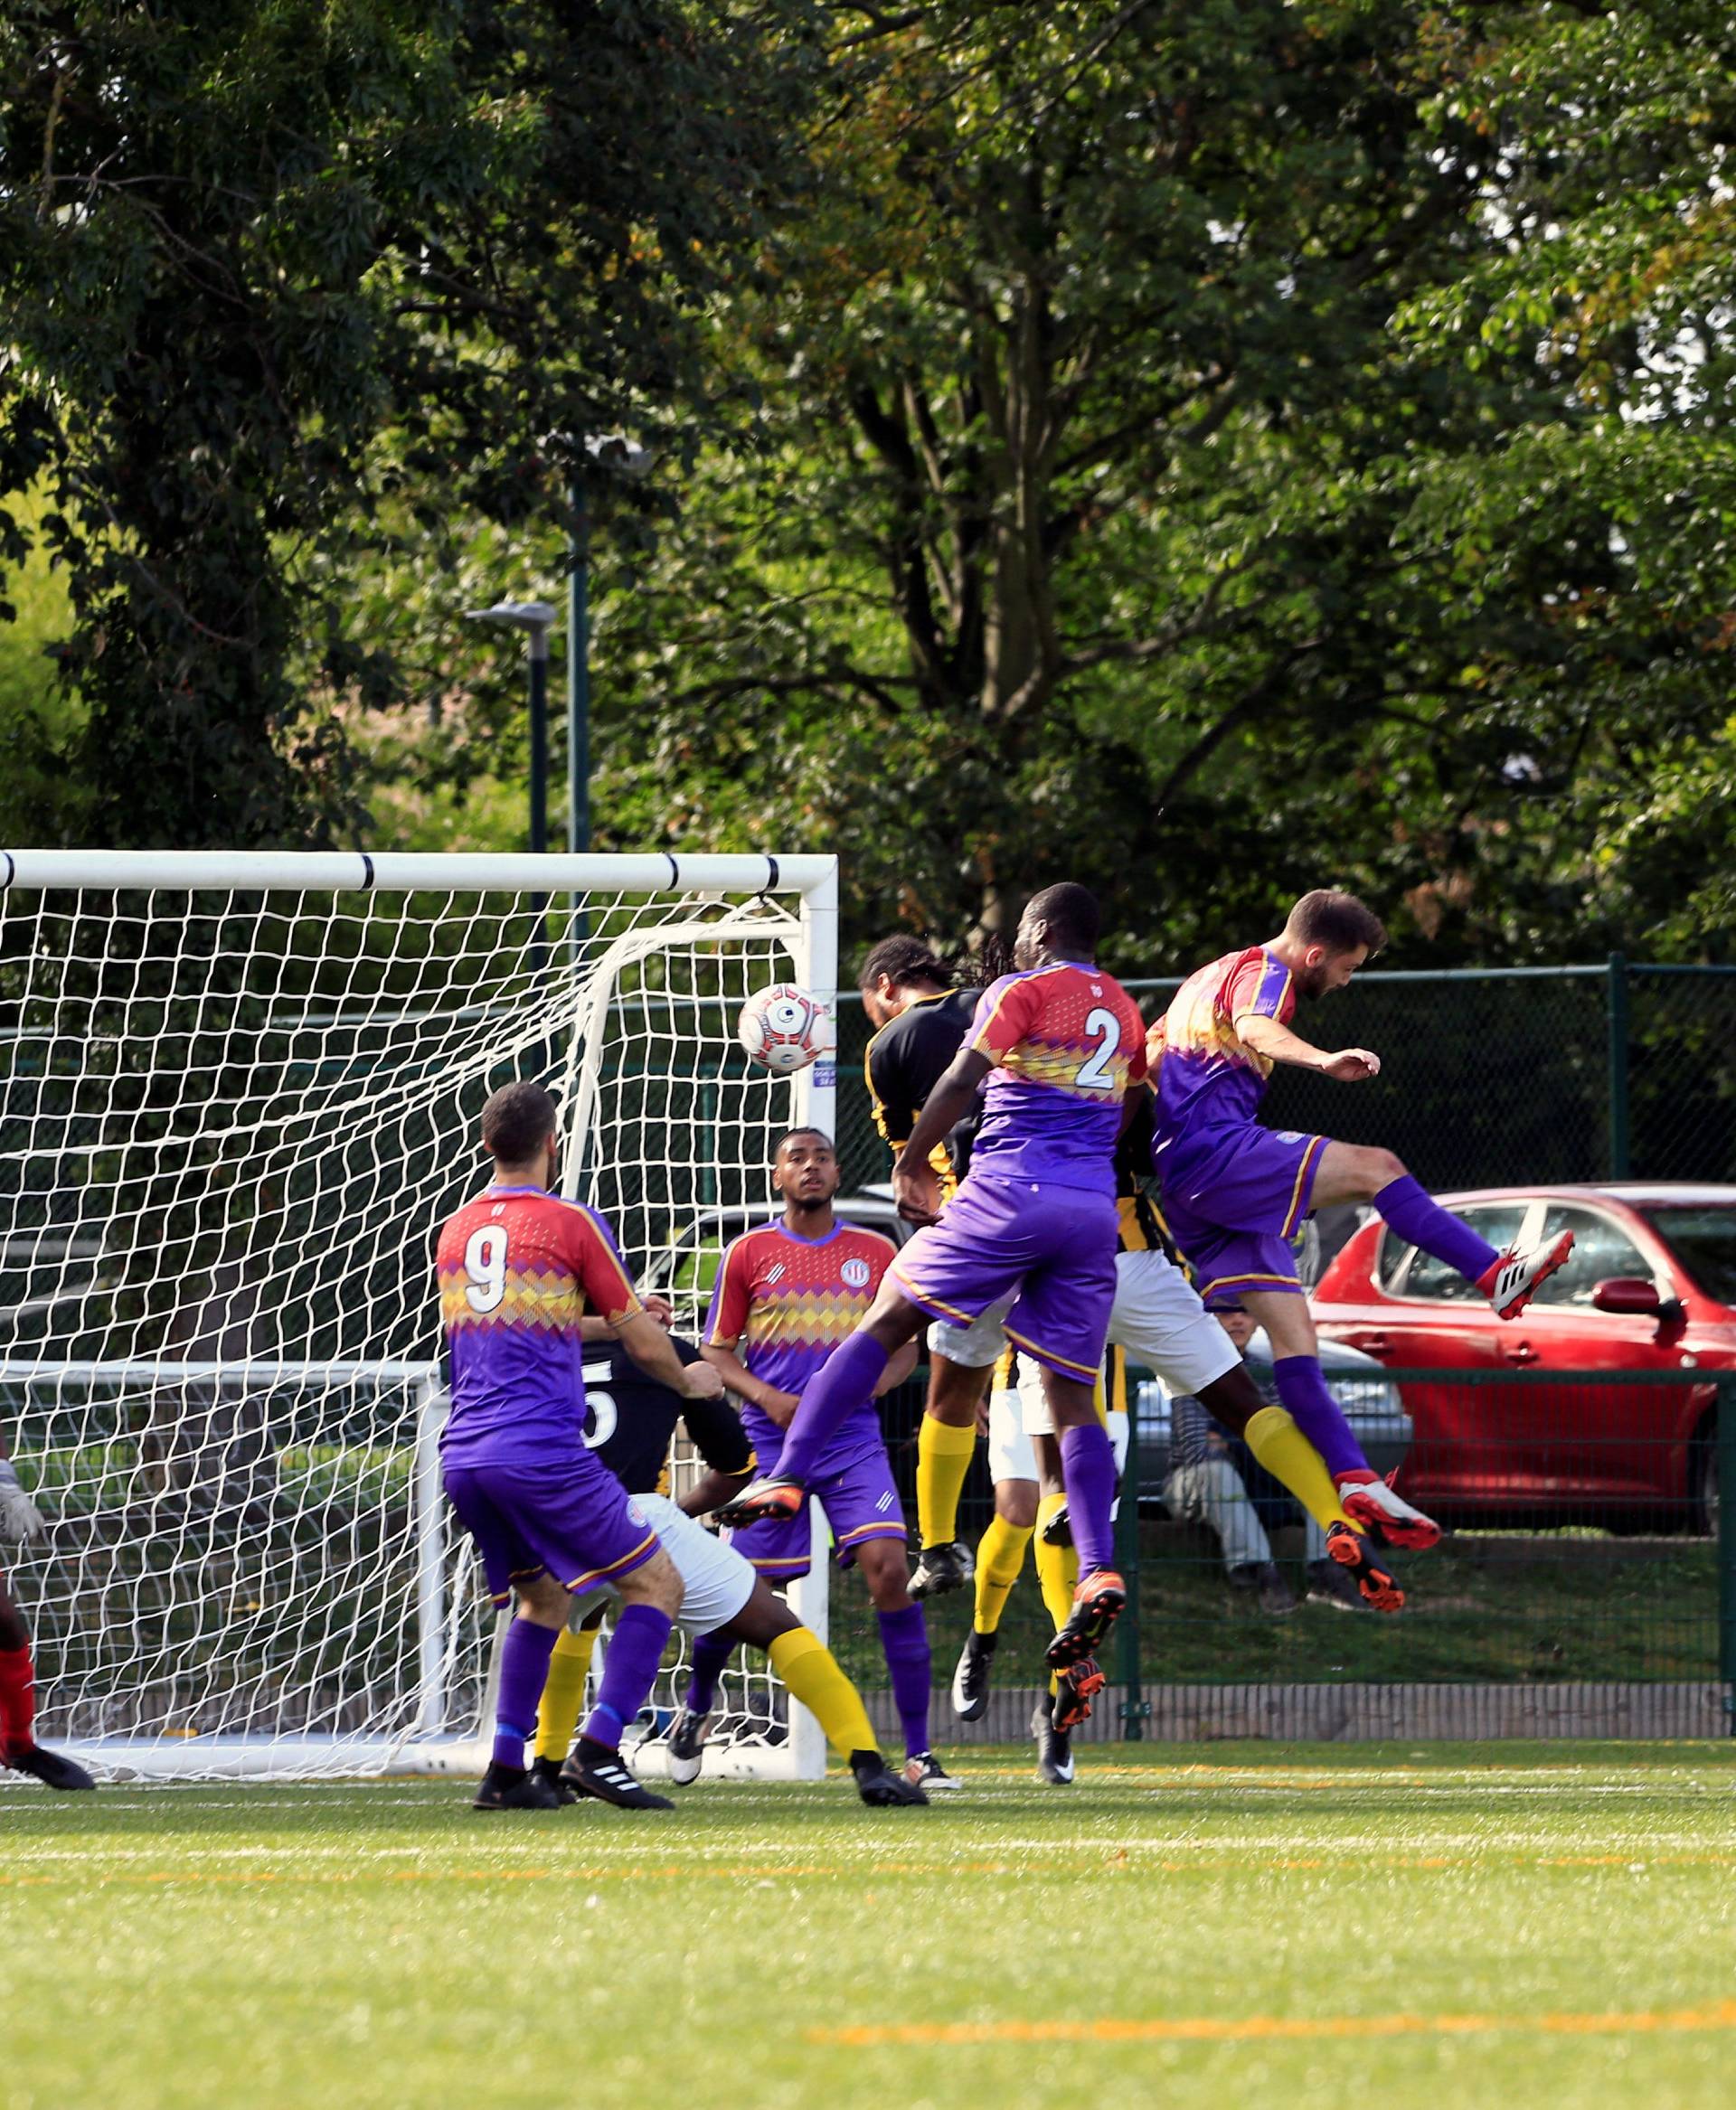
(978, 1345)
(1015, 1415)
(1159, 1319)
(716, 1581)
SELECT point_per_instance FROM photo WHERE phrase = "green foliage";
(284, 280)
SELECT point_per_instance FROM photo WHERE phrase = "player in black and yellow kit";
(921, 1022)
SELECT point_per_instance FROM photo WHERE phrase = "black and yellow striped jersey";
(904, 1062)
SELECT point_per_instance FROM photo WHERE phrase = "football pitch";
(1204, 1925)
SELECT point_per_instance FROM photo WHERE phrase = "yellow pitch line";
(1229, 2030)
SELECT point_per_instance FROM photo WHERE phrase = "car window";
(1407, 1272)
(1704, 1241)
(1600, 1249)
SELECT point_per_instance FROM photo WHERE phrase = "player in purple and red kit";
(1235, 1192)
(1035, 1216)
(785, 1294)
(518, 1268)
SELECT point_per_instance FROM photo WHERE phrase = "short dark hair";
(1339, 922)
(902, 960)
(517, 1120)
(802, 1129)
(1070, 909)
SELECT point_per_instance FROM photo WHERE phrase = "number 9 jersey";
(518, 1268)
(1066, 1041)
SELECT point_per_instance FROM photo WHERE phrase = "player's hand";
(780, 1407)
(700, 1380)
(660, 1309)
(1351, 1065)
(917, 1193)
(20, 1519)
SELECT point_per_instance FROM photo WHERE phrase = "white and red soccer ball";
(784, 1028)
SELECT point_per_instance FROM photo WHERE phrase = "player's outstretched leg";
(1353, 1173)
(837, 1389)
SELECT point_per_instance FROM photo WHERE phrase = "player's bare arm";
(902, 1364)
(916, 1186)
(734, 1374)
(593, 1326)
(1278, 1043)
(649, 1345)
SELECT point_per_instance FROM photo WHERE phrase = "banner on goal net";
(238, 1095)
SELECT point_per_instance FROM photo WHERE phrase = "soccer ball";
(784, 1028)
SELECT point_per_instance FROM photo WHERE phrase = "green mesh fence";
(1587, 1583)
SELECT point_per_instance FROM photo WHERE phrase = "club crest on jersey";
(856, 1274)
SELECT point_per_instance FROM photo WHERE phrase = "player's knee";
(1016, 1504)
(1375, 1168)
(886, 1569)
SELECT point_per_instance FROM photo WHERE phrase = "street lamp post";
(534, 616)
(619, 456)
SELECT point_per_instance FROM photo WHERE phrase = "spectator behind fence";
(1216, 1480)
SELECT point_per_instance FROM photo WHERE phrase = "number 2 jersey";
(518, 1268)
(1067, 1041)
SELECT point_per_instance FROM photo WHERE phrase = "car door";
(1591, 1450)
(1425, 1316)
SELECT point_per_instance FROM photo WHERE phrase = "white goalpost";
(238, 1094)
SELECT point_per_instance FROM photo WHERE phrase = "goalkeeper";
(631, 1420)
(22, 1520)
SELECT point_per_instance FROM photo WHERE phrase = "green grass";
(1455, 1926)
(1481, 1607)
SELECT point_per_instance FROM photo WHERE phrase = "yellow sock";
(1000, 1554)
(563, 1692)
(943, 1456)
(802, 1660)
(1289, 1456)
(1057, 1569)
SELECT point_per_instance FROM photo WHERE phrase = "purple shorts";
(569, 1517)
(854, 1486)
(1234, 1197)
(1053, 1246)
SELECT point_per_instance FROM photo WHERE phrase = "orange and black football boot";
(1097, 1605)
(1378, 1584)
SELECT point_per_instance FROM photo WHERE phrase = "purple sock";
(635, 1651)
(1088, 1470)
(1418, 1217)
(843, 1380)
(1302, 1389)
(904, 1636)
(711, 1653)
(524, 1666)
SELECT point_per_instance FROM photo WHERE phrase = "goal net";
(238, 1094)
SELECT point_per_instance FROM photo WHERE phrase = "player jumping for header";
(517, 1268)
(785, 1294)
(1234, 1192)
(1035, 1216)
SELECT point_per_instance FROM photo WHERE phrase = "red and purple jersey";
(1206, 1073)
(783, 1304)
(518, 1268)
(1066, 1042)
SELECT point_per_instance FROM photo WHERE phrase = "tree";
(286, 281)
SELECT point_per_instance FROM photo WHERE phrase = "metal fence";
(1489, 1076)
(1587, 1584)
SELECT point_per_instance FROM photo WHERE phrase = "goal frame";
(430, 1748)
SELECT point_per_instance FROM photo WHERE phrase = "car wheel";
(1703, 1479)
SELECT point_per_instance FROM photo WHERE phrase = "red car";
(1650, 1288)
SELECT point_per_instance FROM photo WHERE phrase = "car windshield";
(1704, 1241)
